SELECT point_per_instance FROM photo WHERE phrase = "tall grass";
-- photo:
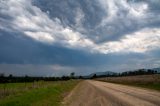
(146, 81)
(7, 89)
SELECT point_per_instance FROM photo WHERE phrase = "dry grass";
(147, 81)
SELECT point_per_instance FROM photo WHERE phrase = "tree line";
(13, 79)
(139, 72)
(128, 73)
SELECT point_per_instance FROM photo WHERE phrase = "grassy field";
(36, 93)
(145, 81)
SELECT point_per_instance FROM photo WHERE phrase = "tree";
(72, 75)
(94, 76)
(10, 76)
(2, 75)
(80, 77)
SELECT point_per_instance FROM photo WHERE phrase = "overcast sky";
(57, 37)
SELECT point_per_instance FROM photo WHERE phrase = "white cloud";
(79, 17)
(36, 24)
(40, 36)
(122, 10)
(140, 42)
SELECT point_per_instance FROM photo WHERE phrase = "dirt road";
(96, 93)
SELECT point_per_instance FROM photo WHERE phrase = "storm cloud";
(83, 36)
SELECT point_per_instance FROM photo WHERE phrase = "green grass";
(46, 94)
(13, 85)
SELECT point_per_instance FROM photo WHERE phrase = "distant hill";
(110, 73)
(103, 73)
(100, 74)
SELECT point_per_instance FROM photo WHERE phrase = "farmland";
(145, 81)
(41, 93)
(87, 93)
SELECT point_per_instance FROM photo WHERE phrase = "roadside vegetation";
(145, 81)
(37, 93)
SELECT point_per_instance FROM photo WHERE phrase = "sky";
(57, 37)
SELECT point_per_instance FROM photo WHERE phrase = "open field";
(86, 93)
(35, 94)
(98, 93)
(146, 81)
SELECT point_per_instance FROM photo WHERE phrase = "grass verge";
(41, 94)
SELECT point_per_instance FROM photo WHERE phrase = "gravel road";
(96, 93)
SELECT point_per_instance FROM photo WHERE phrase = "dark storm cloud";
(124, 20)
(130, 17)
(84, 36)
(19, 49)
(66, 10)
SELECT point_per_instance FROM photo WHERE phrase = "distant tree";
(80, 77)
(155, 72)
(72, 75)
(94, 76)
(2, 79)
(10, 76)
(1, 74)
(65, 78)
(52, 78)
